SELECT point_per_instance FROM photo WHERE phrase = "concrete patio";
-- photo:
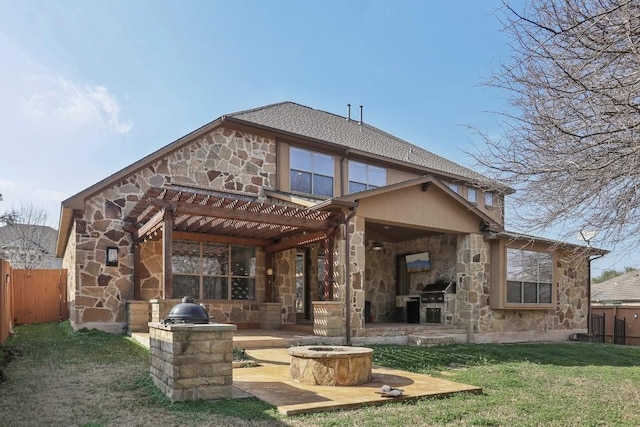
(270, 381)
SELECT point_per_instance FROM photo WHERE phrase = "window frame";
(523, 282)
(491, 197)
(454, 187)
(314, 174)
(471, 190)
(368, 185)
(227, 273)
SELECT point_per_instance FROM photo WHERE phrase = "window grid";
(363, 176)
(529, 277)
(311, 172)
(202, 275)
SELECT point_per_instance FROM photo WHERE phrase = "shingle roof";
(321, 125)
(620, 288)
(41, 237)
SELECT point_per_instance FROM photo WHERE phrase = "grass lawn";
(61, 378)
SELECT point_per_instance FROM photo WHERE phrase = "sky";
(89, 87)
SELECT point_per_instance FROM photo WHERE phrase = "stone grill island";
(330, 365)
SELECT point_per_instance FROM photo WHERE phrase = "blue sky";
(89, 87)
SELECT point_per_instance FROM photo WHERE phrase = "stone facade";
(331, 365)
(244, 164)
(569, 315)
(466, 260)
(192, 362)
(222, 160)
(381, 272)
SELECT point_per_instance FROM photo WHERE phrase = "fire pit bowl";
(330, 365)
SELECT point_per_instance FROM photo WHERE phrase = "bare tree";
(25, 239)
(571, 149)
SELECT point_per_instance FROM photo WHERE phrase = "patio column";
(329, 242)
(167, 249)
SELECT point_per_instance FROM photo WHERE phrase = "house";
(28, 246)
(620, 290)
(284, 215)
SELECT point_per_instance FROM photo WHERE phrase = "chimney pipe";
(348, 111)
(361, 114)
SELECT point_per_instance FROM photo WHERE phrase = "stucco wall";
(221, 160)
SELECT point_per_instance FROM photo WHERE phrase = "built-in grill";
(435, 292)
(187, 312)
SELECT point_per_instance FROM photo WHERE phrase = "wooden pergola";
(214, 217)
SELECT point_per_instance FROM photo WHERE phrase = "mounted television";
(418, 262)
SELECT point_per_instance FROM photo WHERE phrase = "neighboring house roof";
(353, 134)
(622, 288)
(40, 237)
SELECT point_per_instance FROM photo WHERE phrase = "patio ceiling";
(237, 217)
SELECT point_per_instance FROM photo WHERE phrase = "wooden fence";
(31, 296)
(631, 315)
(40, 296)
(6, 301)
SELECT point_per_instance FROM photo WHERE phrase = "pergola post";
(167, 249)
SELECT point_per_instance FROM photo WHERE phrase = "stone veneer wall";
(151, 270)
(192, 362)
(285, 284)
(472, 294)
(221, 160)
(356, 273)
(380, 272)
(570, 315)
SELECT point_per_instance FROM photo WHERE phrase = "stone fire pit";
(330, 365)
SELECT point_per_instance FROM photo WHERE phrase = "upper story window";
(365, 177)
(529, 277)
(454, 187)
(311, 172)
(489, 199)
(472, 195)
(213, 271)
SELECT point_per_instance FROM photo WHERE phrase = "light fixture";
(269, 271)
(376, 246)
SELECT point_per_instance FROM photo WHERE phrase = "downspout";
(589, 292)
(347, 287)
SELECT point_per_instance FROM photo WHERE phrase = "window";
(488, 199)
(529, 277)
(213, 271)
(454, 187)
(311, 172)
(472, 195)
(365, 177)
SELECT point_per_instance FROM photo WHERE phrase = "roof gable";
(423, 202)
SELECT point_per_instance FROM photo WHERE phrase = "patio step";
(433, 340)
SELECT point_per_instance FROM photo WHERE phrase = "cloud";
(64, 102)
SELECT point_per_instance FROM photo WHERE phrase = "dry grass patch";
(96, 379)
